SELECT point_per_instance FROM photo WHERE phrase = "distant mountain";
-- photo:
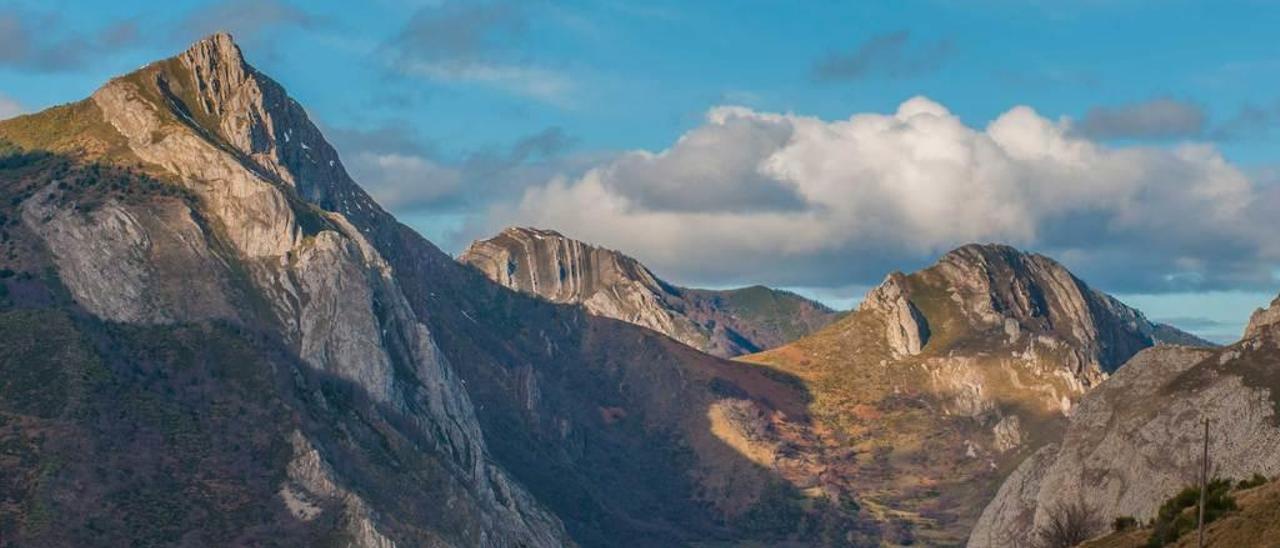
(607, 283)
(942, 380)
(1136, 440)
(212, 336)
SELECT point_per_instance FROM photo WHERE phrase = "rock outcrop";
(1136, 440)
(944, 379)
(906, 329)
(607, 283)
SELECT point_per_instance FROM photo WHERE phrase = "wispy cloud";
(537, 83)
(42, 42)
(889, 55)
(247, 19)
(477, 43)
(1160, 118)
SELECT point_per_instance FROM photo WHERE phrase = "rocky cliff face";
(1136, 440)
(944, 379)
(607, 283)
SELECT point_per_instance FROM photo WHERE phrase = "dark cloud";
(890, 55)
(1251, 121)
(478, 43)
(43, 42)
(248, 20)
(408, 174)
(459, 32)
(1161, 118)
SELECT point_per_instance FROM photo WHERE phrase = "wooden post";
(1204, 479)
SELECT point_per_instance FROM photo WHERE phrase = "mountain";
(943, 380)
(214, 336)
(1137, 439)
(725, 323)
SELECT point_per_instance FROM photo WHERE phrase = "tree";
(1069, 524)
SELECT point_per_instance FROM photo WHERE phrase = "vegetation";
(1069, 524)
(1255, 481)
(1172, 520)
(1124, 523)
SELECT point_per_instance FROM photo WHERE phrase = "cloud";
(1250, 121)
(889, 55)
(248, 20)
(9, 107)
(408, 175)
(799, 201)
(1161, 118)
(477, 43)
(43, 42)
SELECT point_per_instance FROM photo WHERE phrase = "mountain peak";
(219, 46)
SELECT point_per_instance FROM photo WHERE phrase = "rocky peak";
(999, 287)
(211, 88)
(1263, 319)
(560, 269)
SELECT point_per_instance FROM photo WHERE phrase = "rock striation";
(610, 284)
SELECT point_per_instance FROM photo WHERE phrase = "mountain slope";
(944, 379)
(607, 283)
(166, 212)
(1136, 440)
(258, 353)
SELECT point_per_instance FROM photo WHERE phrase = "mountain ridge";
(610, 283)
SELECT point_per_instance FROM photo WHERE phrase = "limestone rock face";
(1136, 439)
(999, 286)
(906, 330)
(610, 284)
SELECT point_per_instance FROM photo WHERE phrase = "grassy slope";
(1255, 523)
(908, 465)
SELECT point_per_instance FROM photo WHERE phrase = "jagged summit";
(212, 89)
(609, 283)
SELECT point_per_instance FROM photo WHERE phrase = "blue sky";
(451, 111)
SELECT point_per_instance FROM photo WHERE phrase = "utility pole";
(1204, 478)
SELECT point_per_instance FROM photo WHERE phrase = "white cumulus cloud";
(801, 201)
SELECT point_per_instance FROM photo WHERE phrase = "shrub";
(1069, 524)
(1172, 520)
(1124, 523)
(1256, 480)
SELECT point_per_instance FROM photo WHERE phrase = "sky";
(809, 145)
